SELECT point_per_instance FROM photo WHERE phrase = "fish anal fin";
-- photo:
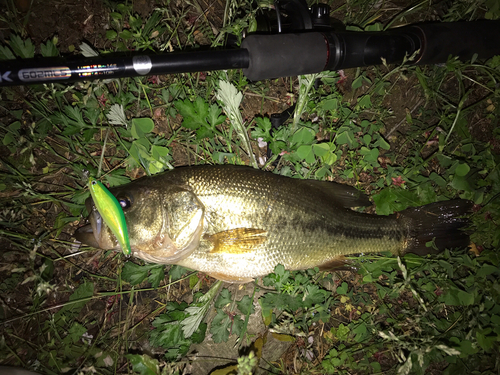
(230, 278)
(236, 241)
(339, 263)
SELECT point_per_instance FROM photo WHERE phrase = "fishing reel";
(291, 16)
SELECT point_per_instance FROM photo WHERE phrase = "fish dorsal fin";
(185, 219)
(236, 241)
(343, 195)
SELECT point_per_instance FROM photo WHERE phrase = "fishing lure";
(111, 212)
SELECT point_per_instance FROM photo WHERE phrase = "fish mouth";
(96, 233)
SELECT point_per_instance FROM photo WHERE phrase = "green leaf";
(215, 116)
(49, 49)
(321, 149)
(369, 155)
(305, 152)
(467, 348)
(151, 23)
(314, 296)
(141, 127)
(176, 272)
(342, 332)
(116, 16)
(74, 333)
(6, 53)
(486, 270)
(236, 327)
(462, 169)
(382, 143)
(330, 104)
(342, 289)
(461, 183)
(220, 327)
(48, 272)
(263, 129)
(116, 178)
(135, 22)
(199, 335)
(75, 116)
(267, 312)
(392, 199)
(143, 364)
(361, 332)
(484, 340)
(126, 34)
(81, 296)
(223, 299)
(356, 84)
(457, 297)
(157, 275)
(245, 305)
(159, 152)
(303, 136)
(346, 137)
(365, 101)
(8, 139)
(194, 114)
(330, 158)
(24, 49)
(133, 273)
(278, 278)
(193, 280)
(204, 132)
(440, 181)
(111, 34)
(385, 202)
(168, 333)
(280, 301)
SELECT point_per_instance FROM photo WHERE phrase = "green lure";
(111, 212)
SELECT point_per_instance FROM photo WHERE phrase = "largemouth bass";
(237, 223)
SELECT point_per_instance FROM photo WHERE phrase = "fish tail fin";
(440, 222)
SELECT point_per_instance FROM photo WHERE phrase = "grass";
(406, 135)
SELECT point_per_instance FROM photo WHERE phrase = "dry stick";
(102, 153)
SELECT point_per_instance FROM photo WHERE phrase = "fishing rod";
(290, 41)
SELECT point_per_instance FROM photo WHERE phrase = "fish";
(237, 223)
(110, 213)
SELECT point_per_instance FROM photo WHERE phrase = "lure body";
(111, 212)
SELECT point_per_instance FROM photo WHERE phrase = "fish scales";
(304, 229)
(250, 221)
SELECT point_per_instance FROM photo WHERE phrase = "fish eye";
(125, 202)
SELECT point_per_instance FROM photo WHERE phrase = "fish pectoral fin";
(339, 263)
(236, 241)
